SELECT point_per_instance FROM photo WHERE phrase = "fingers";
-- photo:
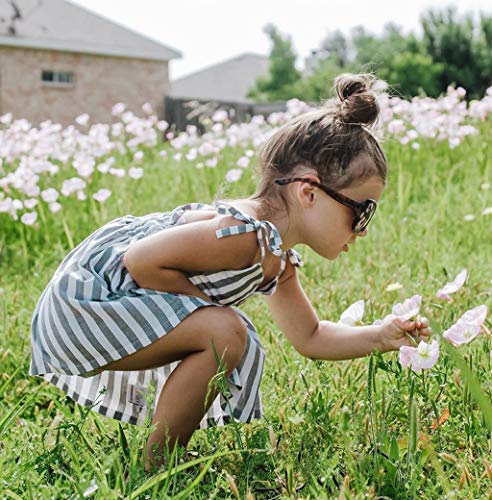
(423, 327)
(424, 331)
(406, 324)
(422, 322)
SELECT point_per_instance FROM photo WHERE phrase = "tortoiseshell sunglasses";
(363, 211)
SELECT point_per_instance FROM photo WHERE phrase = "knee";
(230, 338)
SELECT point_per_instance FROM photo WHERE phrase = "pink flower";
(476, 315)
(453, 286)
(467, 327)
(461, 333)
(409, 309)
(424, 356)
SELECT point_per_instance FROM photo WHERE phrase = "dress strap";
(283, 263)
(263, 227)
(179, 211)
(295, 257)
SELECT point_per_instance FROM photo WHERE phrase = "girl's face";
(327, 224)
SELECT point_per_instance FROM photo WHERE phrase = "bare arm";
(160, 261)
(332, 341)
(315, 339)
(172, 281)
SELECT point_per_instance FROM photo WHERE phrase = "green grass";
(358, 429)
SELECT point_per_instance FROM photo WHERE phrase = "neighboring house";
(228, 80)
(58, 60)
(312, 62)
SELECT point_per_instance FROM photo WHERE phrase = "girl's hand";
(396, 332)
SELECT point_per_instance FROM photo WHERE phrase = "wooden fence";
(181, 112)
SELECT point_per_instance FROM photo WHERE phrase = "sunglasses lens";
(364, 217)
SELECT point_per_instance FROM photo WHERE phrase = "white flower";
(54, 207)
(453, 142)
(118, 172)
(147, 108)
(102, 195)
(138, 156)
(487, 211)
(6, 119)
(212, 162)
(393, 286)
(220, 115)
(135, 172)
(243, 162)
(485, 185)
(118, 108)
(192, 154)
(30, 203)
(469, 217)
(71, 185)
(6, 205)
(352, 316)
(49, 195)
(162, 125)
(91, 489)
(423, 356)
(82, 119)
(29, 218)
(234, 175)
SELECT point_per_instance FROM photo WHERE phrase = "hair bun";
(358, 102)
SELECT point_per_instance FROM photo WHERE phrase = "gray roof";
(226, 81)
(68, 27)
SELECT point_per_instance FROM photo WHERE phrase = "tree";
(335, 43)
(449, 40)
(282, 72)
(401, 60)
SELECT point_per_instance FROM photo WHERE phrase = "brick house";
(58, 60)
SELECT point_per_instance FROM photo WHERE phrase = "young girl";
(153, 299)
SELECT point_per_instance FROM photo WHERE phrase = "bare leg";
(188, 384)
(181, 403)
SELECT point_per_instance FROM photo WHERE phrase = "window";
(63, 77)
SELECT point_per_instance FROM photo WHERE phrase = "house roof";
(64, 26)
(228, 80)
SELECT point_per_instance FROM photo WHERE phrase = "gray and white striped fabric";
(92, 313)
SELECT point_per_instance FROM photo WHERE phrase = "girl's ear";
(306, 190)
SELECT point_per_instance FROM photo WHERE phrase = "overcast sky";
(209, 31)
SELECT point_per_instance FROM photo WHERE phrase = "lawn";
(364, 428)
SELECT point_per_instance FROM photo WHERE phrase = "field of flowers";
(417, 423)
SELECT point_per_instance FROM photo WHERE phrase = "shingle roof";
(228, 80)
(65, 26)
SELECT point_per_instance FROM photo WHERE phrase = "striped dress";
(92, 313)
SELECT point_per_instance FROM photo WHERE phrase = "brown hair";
(334, 139)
